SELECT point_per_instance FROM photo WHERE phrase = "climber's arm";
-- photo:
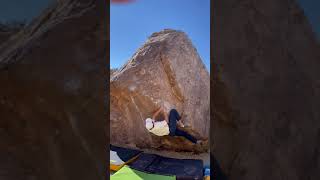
(180, 122)
(156, 113)
(165, 114)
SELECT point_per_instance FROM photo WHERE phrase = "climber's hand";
(155, 114)
(181, 124)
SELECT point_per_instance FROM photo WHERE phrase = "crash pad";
(120, 156)
(127, 173)
(181, 168)
(115, 159)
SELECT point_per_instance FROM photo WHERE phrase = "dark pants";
(174, 131)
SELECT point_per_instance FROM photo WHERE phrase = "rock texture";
(168, 71)
(52, 95)
(266, 91)
(6, 31)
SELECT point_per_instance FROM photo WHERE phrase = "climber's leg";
(186, 135)
(174, 114)
(173, 118)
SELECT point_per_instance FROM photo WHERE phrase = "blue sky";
(311, 9)
(21, 10)
(131, 25)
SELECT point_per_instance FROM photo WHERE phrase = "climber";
(165, 127)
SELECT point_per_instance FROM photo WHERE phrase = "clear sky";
(131, 24)
(21, 10)
(311, 9)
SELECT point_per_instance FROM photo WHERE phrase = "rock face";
(166, 71)
(266, 92)
(52, 95)
(6, 32)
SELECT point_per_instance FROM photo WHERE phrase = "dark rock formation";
(6, 32)
(52, 95)
(266, 92)
(168, 71)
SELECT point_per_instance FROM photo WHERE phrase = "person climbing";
(165, 127)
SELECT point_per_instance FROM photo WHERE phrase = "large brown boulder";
(168, 71)
(266, 91)
(52, 95)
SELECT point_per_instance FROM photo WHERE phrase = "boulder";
(52, 95)
(6, 32)
(166, 71)
(266, 91)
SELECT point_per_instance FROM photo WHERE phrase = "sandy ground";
(205, 157)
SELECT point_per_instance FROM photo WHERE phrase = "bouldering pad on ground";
(121, 156)
(127, 173)
(181, 168)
